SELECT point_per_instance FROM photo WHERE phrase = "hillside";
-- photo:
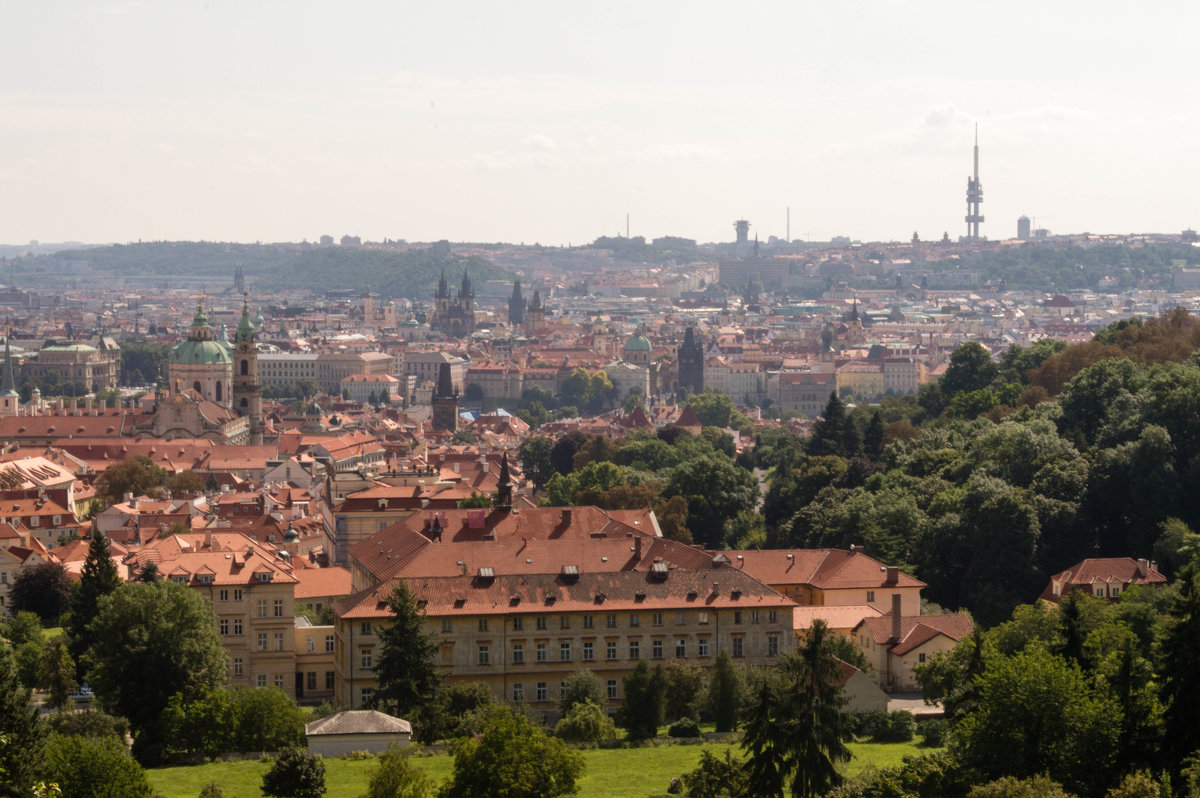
(412, 274)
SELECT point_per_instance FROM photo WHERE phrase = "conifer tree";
(99, 579)
(406, 668)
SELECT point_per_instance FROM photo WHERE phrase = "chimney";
(103, 407)
(893, 575)
(565, 519)
(896, 617)
(1143, 568)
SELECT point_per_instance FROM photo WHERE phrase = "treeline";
(1053, 266)
(413, 273)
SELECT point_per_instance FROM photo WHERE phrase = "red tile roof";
(825, 569)
(621, 591)
(916, 630)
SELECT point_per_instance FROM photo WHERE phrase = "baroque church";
(455, 316)
(214, 390)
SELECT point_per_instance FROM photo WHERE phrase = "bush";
(897, 727)
(80, 764)
(398, 777)
(585, 723)
(868, 724)
(295, 774)
(88, 723)
(933, 732)
(684, 727)
(1009, 787)
(212, 790)
(717, 778)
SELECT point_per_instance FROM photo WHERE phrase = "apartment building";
(524, 634)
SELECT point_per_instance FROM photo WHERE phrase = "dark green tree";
(406, 669)
(512, 758)
(58, 673)
(685, 689)
(21, 757)
(1180, 653)
(724, 693)
(295, 774)
(536, 461)
(873, 437)
(829, 432)
(562, 456)
(797, 732)
(713, 409)
(971, 369)
(716, 490)
(99, 578)
(582, 685)
(139, 476)
(149, 642)
(643, 710)
(266, 719)
(44, 589)
(1038, 713)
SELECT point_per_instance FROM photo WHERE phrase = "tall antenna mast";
(974, 196)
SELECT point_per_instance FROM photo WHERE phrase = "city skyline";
(541, 123)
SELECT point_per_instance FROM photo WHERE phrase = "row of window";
(223, 595)
(541, 690)
(542, 622)
(542, 650)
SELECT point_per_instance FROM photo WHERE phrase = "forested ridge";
(412, 273)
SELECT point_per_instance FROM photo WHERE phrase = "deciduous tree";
(512, 758)
(150, 641)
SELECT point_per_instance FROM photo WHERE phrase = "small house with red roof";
(1106, 577)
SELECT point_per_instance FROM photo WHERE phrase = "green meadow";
(609, 773)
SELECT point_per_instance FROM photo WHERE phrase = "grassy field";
(610, 773)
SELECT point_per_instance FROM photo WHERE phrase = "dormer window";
(264, 576)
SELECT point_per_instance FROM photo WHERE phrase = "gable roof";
(916, 630)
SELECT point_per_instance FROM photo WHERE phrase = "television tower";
(974, 196)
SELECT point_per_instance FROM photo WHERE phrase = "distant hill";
(411, 274)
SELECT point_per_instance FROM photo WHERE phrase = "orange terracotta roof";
(320, 582)
(916, 630)
(620, 591)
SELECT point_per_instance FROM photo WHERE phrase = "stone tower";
(445, 402)
(691, 361)
(516, 306)
(10, 400)
(247, 391)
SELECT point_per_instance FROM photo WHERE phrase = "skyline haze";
(544, 122)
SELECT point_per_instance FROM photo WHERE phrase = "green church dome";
(200, 352)
(637, 343)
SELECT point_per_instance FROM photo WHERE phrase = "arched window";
(245, 404)
(245, 367)
(218, 390)
(196, 387)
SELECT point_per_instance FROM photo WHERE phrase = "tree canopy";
(150, 641)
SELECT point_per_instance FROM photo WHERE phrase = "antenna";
(789, 224)
(627, 225)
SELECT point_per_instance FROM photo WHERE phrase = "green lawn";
(610, 773)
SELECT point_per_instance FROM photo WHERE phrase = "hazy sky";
(549, 121)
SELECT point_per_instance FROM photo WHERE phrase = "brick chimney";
(896, 618)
